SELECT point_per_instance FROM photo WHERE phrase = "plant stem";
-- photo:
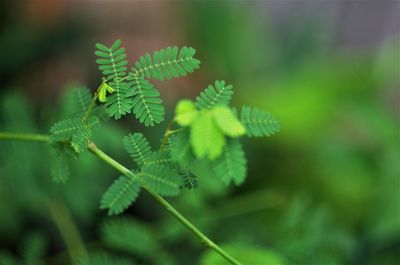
(69, 232)
(203, 238)
(92, 103)
(113, 163)
(24, 137)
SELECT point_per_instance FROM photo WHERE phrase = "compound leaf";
(231, 165)
(206, 139)
(138, 147)
(112, 61)
(167, 63)
(120, 101)
(219, 94)
(227, 121)
(258, 122)
(147, 104)
(161, 179)
(122, 193)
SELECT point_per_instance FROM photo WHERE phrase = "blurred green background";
(324, 191)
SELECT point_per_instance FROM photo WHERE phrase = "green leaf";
(111, 61)
(167, 63)
(219, 94)
(161, 179)
(185, 112)
(206, 139)
(231, 165)
(147, 104)
(227, 121)
(160, 157)
(122, 193)
(180, 149)
(60, 170)
(120, 102)
(128, 235)
(189, 178)
(258, 122)
(138, 148)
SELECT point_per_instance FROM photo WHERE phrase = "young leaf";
(122, 193)
(185, 112)
(227, 121)
(112, 61)
(128, 235)
(167, 63)
(219, 94)
(258, 122)
(138, 147)
(147, 104)
(120, 101)
(206, 139)
(231, 165)
(161, 179)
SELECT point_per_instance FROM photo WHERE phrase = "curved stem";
(113, 163)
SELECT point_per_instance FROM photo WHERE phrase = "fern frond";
(101, 258)
(147, 104)
(112, 61)
(231, 165)
(138, 148)
(219, 94)
(167, 63)
(258, 122)
(189, 179)
(180, 149)
(122, 193)
(161, 179)
(206, 139)
(120, 102)
(128, 235)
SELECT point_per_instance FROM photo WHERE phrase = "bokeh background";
(324, 191)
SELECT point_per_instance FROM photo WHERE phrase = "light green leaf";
(206, 139)
(185, 112)
(227, 121)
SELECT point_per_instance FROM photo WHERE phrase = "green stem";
(24, 137)
(68, 230)
(203, 238)
(110, 161)
(91, 106)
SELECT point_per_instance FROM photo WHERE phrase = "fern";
(120, 102)
(147, 104)
(128, 235)
(258, 122)
(162, 179)
(167, 63)
(231, 165)
(138, 147)
(122, 193)
(112, 61)
(219, 94)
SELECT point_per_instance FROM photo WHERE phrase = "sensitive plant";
(205, 131)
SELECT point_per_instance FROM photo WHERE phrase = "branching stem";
(122, 169)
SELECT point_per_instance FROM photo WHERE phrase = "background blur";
(324, 191)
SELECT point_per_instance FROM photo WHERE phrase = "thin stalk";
(68, 230)
(90, 108)
(119, 167)
(185, 222)
(24, 137)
